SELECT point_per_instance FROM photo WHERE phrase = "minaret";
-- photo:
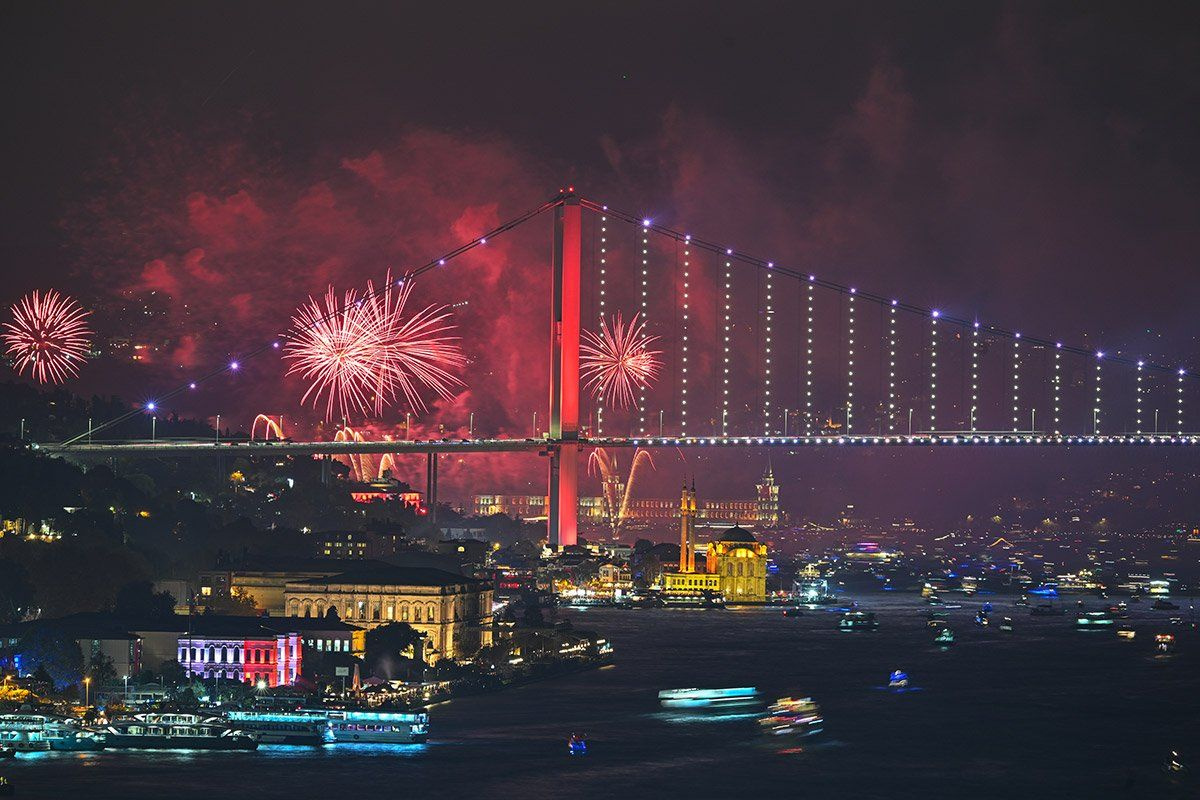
(687, 530)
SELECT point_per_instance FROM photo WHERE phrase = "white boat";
(708, 698)
(283, 727)
(24, 733)
(386, 727)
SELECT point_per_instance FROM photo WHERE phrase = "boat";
(898, 680)
(708, 698)
(1126, 632)
(1162, 604)
(1164, 642)
(793, 612)
(577, 745)
(858, 621)
(945, 637)
(790, 716)
(6, 787)
(1092, 620)
(1006, 623)
(169, 731)
(387, 727)
(987, 607)
(699, 600)
(7, 752)
(283, 727)
(981, 619)
(43, 732)
(1023, 600)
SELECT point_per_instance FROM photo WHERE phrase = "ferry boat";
(701, 600)
(42, 732)
(858, 621)
(1093, 620)
(23, 733)
(385, 727)
(283, 727)
(175, 732)
(708, 698)
(790, 716)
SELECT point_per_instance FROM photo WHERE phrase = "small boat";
(1162, 604)
(1126, 632)
(858, 621)
(945, 637)
(708, 698)
(6, 787)
(1164, 642)
(1023, 600)
(793, 612)
(898, 680)
(1006, 623)
(790, 716)
(987, 608)
(576, 745)
(981, 619)
(1091, 620)
(7, 752)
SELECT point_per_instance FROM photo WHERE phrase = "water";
(1039, 712)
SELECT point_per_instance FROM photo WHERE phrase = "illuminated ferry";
(790, 716)
(283, 727)
(39, 732)
(385, 727)
(176, 732)
(858, 621)
(708, 698)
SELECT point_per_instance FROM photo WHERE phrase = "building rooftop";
(103, 625)
(738, 534)
(394, 576)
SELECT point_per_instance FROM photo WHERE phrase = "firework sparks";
(617, 361)
(362, 353)
(49, 335)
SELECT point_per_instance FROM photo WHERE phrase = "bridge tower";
(562, 520)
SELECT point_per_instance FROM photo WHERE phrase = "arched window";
(293, 607)
(224, 654)
(416, 613)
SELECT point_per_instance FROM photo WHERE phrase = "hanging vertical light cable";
(1016, 382)
(645, 297)
(1057, 388)
(850, 361)
(1179, 400)
(892, 366)
(933, 343)
(603, 298)
(1137, 405)
(808, 364)
(725, 354)
(974, 376)
(687, 253)
(1096, 408)
(767, 355)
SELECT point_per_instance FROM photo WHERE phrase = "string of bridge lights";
(767, 359)
(891, 334)
(687, 254)
(1016, 383)
(933, 343)
(935, 315)
(645, 318)
(603, 309)
(850, 360)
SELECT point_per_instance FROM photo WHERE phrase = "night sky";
(1030, 164)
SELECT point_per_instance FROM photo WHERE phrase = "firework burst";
(49, 335)
(361, 354)
(617, 361)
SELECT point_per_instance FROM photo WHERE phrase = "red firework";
(616, 362)
(363, 354)
(49, 335)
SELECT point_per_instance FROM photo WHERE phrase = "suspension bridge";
(760, 354)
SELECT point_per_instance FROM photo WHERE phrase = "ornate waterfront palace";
(735, 565)
(453, 612)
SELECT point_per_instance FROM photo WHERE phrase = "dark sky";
(1032, 164)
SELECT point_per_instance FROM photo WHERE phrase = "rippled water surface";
(1043, 711)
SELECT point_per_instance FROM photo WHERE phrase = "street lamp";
(87, 692)
(124, 698)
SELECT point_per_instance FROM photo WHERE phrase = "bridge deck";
(948, 439)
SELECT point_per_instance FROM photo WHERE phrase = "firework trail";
(49, 335)
(617, 361)
(616, 499)
(362, 353)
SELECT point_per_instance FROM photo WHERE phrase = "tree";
(234, 602)
(388, 646)
(100, 669)
(16, 591)
(138, 599)
(46, 650)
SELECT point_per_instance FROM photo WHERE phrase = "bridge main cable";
(273, 344)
